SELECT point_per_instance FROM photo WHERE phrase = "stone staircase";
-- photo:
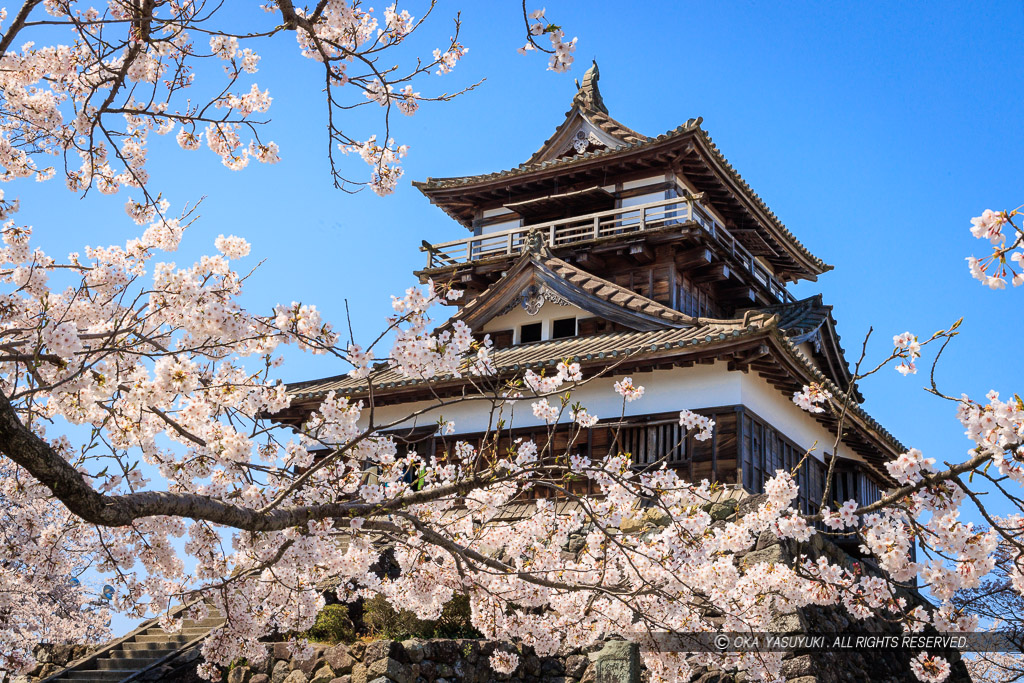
(142, 648)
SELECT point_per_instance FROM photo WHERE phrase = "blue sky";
(874, 132)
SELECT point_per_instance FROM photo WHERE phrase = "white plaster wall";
(694, 388)
(784, 415)
(700, 386)
(807, 348)
(633, 184)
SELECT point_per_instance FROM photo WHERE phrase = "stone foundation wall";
(420, 661)
(52, 658)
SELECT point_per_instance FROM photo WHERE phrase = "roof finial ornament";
(534, 242)
(588, 96)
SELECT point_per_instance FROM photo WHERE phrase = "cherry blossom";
(930, 669)
(561, 51)
(908, 349)
(139, 398)
(810, 397)
(627, 390)
(504, 662)
(703, 425)
(993, 270)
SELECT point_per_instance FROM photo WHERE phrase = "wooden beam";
(693, 258)
(473, 280)
(641, 253)
(742, 292)
(743, 362)
(588, 259)
(714, 272)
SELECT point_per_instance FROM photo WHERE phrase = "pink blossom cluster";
(627, 390)
(993, 270)
(99, 98)
(908, 349)
(561, 51)
(910, 467)
(842, 518)
(811, 397)
(703, 425)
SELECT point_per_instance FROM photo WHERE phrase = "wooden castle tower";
(649, 257)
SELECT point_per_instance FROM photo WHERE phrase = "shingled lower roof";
(710, 339)
(810, 320)
(433, 187)
(540, 354)
(587, 107)
(591, 293)
(790, 320)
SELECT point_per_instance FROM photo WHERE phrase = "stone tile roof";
(589, 104)
(781, 324)
(525, 168)
(615, 345)
(789, 319)
(577, 286)
(690, 127)
(802, 319)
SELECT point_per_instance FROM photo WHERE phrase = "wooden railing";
(604, 224)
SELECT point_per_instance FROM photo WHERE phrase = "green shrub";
(332, 626)
(455, 620)
(384, 621)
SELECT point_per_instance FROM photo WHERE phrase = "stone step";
(208, 623)
(136, 664)
(193, 632)
(189, 631)
(153, 653)
(178, 638)
(147, 645)
(101, 675)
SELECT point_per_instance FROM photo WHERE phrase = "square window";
(529, 333)
(566, 327)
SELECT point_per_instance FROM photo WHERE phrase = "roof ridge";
(691, 125)
(620, 344)
(664, 310)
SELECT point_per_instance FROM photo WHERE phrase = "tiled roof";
(840, 394)
(691, 126)
(783, 324)
(589, 103)
(800, 318)
(522, 169)
(556, 272)
(788, 318)
(614, 293)
(616, 345)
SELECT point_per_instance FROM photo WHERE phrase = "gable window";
(530, 333)
(566, 327)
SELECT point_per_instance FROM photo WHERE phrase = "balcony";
(579, 230)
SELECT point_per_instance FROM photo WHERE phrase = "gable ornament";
(532, 299)
(580, 141)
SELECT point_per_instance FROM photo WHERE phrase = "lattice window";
(654, 443)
